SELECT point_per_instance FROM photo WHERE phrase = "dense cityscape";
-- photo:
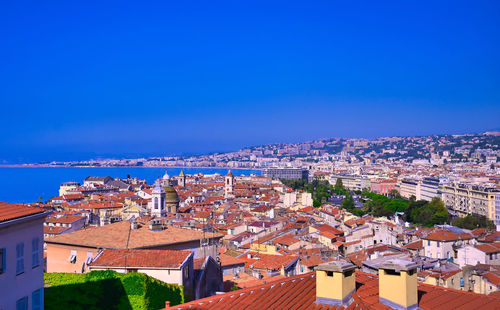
(253, 155)
(420, 211)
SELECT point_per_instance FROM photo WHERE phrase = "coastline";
(146, 167)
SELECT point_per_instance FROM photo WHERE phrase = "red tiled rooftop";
(63, 219)
(226, 260)
(443, 235)
(10, 211)
(273, 262)
(120, 236)
(489, 248)
(53, 230)
(417, 245)
(141, 258)
(299, 292)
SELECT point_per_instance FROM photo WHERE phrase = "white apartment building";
(429, 188)
(408, 188)
(443, 244)
(479, 254)
(351, 182)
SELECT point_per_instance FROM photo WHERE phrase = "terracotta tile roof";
(226, 260)
(333, 230)
(116, 236)
(328, 234)
(54, 230)
(141, 258)
(299, 292)
(10, 211)
(273, 262)
(286, 240)
(417, 245)
(444, 235)
(66, 219)
(492, 278)
(73, 196)
(489, 248)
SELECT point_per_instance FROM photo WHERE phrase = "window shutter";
(35, 300)
(22, 304)
(20, 258)
(35, 252)
(4, 260)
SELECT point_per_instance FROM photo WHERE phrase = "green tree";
(338, 184)
(348, 203)
(473, 222)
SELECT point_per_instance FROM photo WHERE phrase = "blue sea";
(24, 185)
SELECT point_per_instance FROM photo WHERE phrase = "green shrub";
(108, 290)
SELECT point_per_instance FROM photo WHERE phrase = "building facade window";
(3, 260)
(20, 258)
(22, 304)
(36, 300)
(35, 252)
(72, 257)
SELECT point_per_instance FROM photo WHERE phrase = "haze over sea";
(24, 185)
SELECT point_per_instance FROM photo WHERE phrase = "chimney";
(133, 223)
(335, 283)
(397, 280)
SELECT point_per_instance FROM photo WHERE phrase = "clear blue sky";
(81, 78)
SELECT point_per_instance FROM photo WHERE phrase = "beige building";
(174, 267)
(300, 199)
(408, 188)
(462, 200)
(68, 187)
(73, 252)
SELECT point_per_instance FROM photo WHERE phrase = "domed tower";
(165, 180)
(182, 179)
(157, 207)
(229, 185)
(171, 200)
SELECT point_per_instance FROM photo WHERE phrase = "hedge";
(108, 290)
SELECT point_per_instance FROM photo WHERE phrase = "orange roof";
(64, 219)
(299, 292)
(286, 240)
(489, 248)
(226, 260)
(54, 230)
(417, 245)
(120, 236)
(330, 229)
(141, 258)
(273, 262)
(444, 235)
(10, 211)
(492, 278)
